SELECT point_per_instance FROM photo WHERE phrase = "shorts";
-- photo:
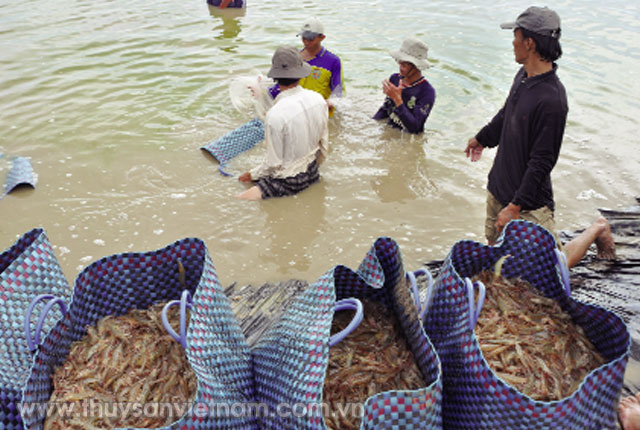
(281, 187)
(542, 216)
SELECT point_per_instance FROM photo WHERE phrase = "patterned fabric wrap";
(236, 142)
(20, 173)
(380, 277)
(27, 269)
(474, 397)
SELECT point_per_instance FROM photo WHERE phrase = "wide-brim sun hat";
(413, 51)
(287, 63)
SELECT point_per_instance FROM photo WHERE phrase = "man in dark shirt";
(528, 132)
(410, 96)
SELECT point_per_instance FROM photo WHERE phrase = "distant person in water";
(410, 97)
(326, 75)
(528, 133)
(629, 412)
(296, 133)
(223, 4)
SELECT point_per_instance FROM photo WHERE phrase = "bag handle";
(351, 304)
(184, 302)
(32, 343)
(561, 263)
(221, 170)
(411, 276)
(475, 314)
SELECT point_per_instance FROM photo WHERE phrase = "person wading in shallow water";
(410, 97)
(296, 133)
(528, 132)
(326, 74)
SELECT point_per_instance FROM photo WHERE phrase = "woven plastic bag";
(283, 373)
(474, 397)
(276, 384)
(235, 142)
(28, 269)
(381, 277)
(111, 286)
(20, 173)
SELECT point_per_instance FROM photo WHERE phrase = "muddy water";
(111, 101)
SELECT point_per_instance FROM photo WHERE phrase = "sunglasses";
(309, 35)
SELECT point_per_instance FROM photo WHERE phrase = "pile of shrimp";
(530, 342)
(372, 359)
(126, 372)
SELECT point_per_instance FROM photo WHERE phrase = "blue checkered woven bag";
(235, 142)
(277, 383)
(21, 173)
(474, 397)
(283, 373)
(27, 269)
(380, 277)
(112, 286)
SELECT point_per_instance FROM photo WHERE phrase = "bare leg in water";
(599, 233)
(629, 412)
(252, 194)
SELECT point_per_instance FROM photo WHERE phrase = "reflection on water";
(230, 27)
(406, 176)
(291, 226)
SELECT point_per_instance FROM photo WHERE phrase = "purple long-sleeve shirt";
(418, 100)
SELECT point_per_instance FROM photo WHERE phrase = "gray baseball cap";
(288, 63)
(540, 20)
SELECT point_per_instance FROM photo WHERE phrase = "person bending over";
(296, 133)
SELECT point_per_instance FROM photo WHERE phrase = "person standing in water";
(528, 132)
(410, 97)
(326, 75)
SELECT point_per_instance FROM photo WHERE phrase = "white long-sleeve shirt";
(296, 133)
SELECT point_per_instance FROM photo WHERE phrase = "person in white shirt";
(296, 133)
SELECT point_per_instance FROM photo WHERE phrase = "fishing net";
(27, 269)
(250, 95)
(474, 397)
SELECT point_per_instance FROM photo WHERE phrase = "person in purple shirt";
(326, 76)
(410, 97)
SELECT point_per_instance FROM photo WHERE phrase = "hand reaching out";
(474, 149)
